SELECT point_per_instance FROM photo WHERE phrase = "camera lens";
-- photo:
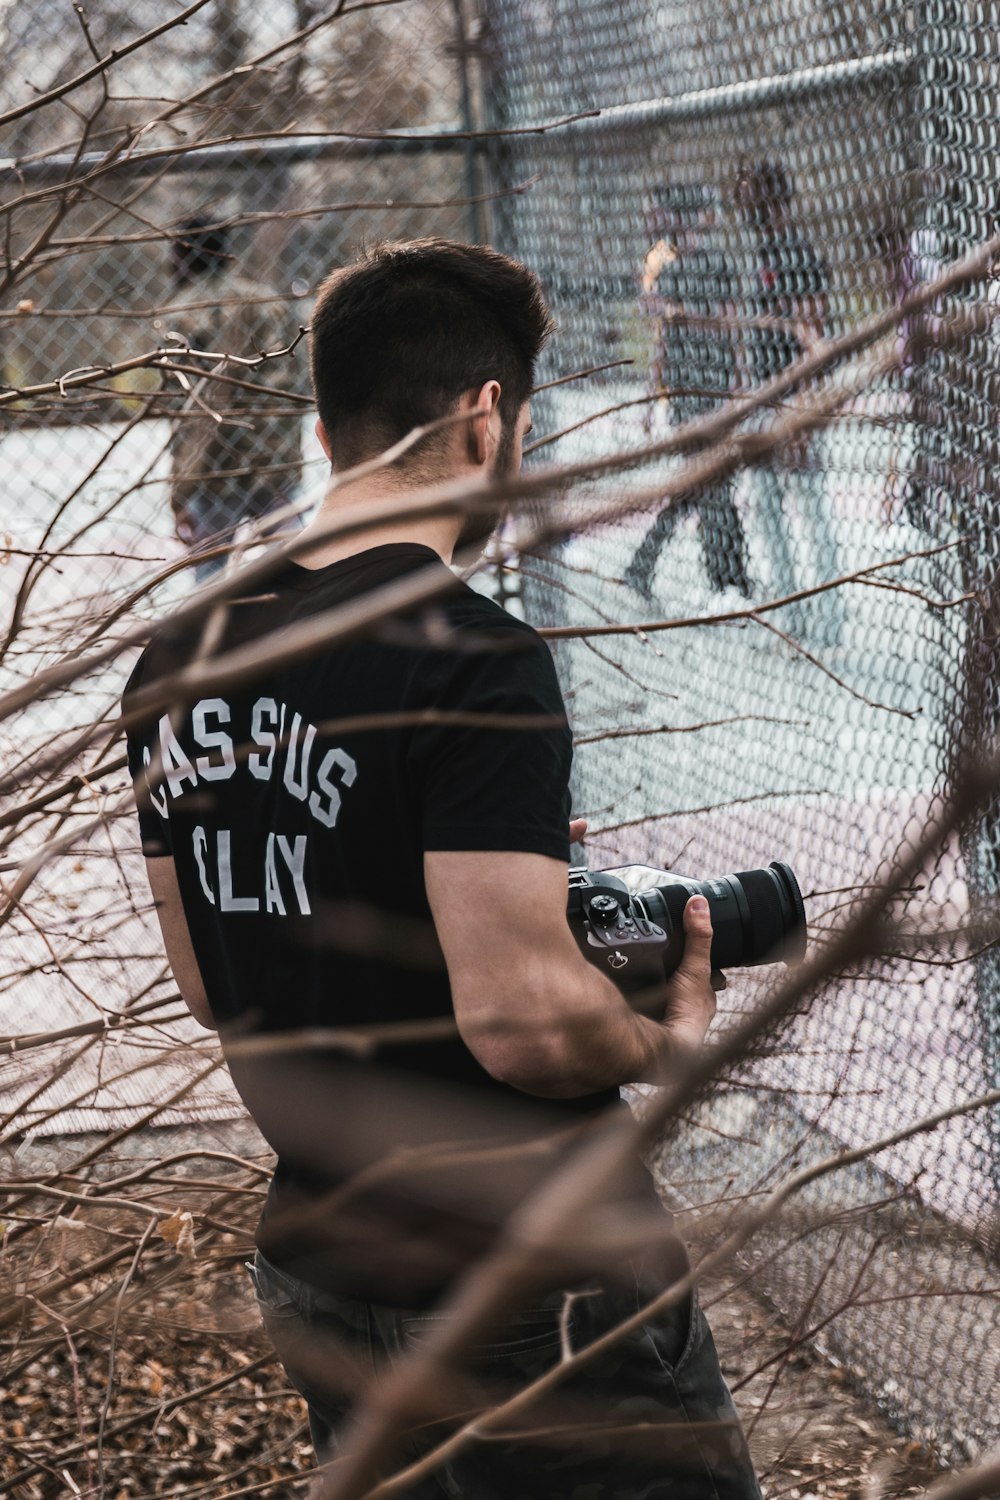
(777, 927)
(757, 917)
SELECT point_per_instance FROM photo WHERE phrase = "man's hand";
(530, 1008)
(691, 1004)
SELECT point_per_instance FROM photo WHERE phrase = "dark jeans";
(801, 490)
(651, 1419)
(723, 544)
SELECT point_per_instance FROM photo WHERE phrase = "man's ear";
(484, 428)
(324, 438)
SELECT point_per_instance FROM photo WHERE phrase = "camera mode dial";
(604, 911)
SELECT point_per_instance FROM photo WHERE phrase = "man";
(787, 304)
(688, 290)
(235, 444)
(370, 844)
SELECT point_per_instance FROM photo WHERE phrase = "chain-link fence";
(757, 179)
(173, 187)
(266, 130)
(189, 196)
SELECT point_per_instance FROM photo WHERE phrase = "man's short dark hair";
(401, 334)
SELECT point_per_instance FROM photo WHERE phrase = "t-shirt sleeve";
(154, 827)
(493, 772)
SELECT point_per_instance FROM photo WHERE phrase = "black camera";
(757, 918)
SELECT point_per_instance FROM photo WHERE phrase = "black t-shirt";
(297, 810)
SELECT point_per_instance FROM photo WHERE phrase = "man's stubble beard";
(481, 525)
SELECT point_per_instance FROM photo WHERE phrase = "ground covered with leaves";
(161, 1383)
(813, 1437)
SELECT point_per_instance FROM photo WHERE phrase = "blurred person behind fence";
(372, 841)
(917, 476)
(688, 290)
(786, 304)
(236, 440)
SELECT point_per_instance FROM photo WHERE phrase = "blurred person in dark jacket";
(236, 441)
(786, 307)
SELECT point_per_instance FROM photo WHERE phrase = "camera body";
(758, 917)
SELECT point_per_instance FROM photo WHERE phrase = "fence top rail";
(270, 151)
(742, 95)
(728, 98)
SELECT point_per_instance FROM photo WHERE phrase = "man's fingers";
(577, 829)
(697, 937)
(690, 997)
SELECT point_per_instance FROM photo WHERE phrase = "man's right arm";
(532, 1010)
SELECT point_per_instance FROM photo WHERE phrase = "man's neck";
(440, 533)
